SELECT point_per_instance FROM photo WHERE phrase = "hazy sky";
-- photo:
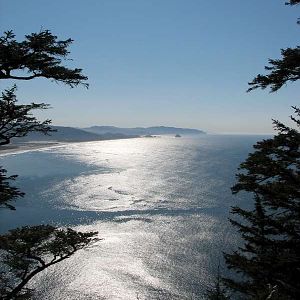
(162, 62)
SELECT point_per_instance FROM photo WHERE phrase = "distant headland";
(143, 131)
(64, 134)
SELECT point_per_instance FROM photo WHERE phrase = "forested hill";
(159, 130)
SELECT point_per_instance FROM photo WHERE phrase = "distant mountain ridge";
(155, 130)
(100, 133)
(71, 134)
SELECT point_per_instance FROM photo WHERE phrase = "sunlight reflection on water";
(159, 204)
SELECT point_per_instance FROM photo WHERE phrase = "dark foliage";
(8, 193)
(281, 71)
(269, 261)
(268, 264)
(27, 251)
(17, 120)
(39, 55)
(292, 2)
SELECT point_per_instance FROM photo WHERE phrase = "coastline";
(37, 145)
(24, 147)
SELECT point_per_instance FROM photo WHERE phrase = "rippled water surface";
(160, 206)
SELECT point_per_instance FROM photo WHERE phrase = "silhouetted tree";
(8, 192)
(17, 120)
(270, 256)
(281, 71)
(26, 251)
(268, 264)
(39, 55)
(292, 2)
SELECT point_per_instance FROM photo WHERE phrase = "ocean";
(160, 205)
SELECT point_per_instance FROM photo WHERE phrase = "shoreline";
(37, 145)
(24, 147)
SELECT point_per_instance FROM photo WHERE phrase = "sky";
(183, 63)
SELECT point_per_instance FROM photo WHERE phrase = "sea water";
(160, 205)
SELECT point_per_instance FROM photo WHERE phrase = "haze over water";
(160, 206)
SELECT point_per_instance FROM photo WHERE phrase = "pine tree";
(270, 256)
(268, 264)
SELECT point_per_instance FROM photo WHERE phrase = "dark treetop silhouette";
(281, 70)
(39, 55)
